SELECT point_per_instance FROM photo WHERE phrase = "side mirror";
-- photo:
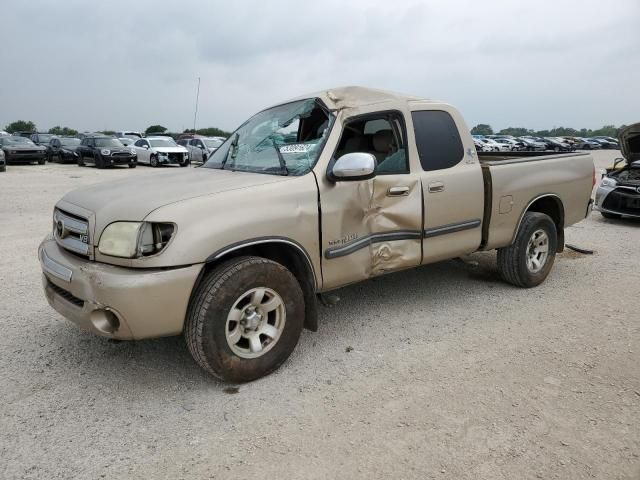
(146, 147)
(353, 166)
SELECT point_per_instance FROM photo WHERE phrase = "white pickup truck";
(307, 196)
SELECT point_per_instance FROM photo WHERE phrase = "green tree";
(63, 131)
(482, 129)
(209, 132)
(21, 126)
(516, 131)
(155, 129)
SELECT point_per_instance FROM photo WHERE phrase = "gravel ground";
(440, 372)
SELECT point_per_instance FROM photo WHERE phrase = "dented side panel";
(365, 231)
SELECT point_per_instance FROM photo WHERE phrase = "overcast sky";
(126, 65)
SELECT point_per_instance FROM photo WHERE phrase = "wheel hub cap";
(255, 322)
(537, 251)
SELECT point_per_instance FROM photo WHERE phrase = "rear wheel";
(611, 216)
(528, 261)
(80, 161)
(244, 319)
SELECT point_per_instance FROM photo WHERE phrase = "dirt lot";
(441, 372)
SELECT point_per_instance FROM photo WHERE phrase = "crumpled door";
(370, 227)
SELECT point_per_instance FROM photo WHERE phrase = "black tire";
(206, 323)
(153, 161)
(512, 260)
(133, 165)
(80, 161)
(184, 164)
(611, 216)
(42, 161)
(99, 163)
(3, 168)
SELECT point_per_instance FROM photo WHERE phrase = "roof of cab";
(352, 97)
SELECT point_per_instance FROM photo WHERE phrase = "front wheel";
(528, 261)
(244, 319)
(153, 161)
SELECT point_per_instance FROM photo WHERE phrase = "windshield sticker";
(295, 148)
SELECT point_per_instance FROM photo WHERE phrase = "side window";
(381, 135)
(437, 139)
(139, 143)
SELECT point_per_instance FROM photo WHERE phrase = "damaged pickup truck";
(305, 197)
(619, 192)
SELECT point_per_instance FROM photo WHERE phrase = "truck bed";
(514, 180)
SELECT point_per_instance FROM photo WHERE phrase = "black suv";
(41, 138)
(103, 151)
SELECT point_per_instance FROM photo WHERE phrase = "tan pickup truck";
(305, 197)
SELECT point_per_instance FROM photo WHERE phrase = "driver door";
(371, 227)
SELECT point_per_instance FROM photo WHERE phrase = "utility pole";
(195, 115)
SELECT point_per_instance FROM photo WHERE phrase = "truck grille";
(71, 232)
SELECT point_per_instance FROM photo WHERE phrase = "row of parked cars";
(125, 148)
(509, 143)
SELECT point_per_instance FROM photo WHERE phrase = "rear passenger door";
(452, 184)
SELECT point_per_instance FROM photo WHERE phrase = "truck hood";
(629, 139)
(134, 198)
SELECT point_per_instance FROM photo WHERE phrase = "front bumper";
(116, 302)
(119, 159)
(25, 157)
(618, 200)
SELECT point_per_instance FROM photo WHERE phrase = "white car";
(201, 147)
(128, 134)
(495, 146)
(126, 141)
(511, 145)
(157, 151)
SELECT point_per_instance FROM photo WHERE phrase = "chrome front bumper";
(116, 302)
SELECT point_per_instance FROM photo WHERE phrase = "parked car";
(233, 255)
(481, 147)
(532, 145)
(557, 145)
(496, 146)
(156, 151)
(586, 144)
(63, 149)
(4, 134)
(129, 134)
(22, 150)
(41, 138)
(619, 190)
(511, 144)
(3, 161)
(606, 143)
(103, 151)
(200, 148)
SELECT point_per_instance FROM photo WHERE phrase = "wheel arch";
(284, 251)
(550, 204)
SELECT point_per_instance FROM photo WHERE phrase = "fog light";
(105, 321)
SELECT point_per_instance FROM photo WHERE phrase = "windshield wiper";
(283, 165)
(234, 147)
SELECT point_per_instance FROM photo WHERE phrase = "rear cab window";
(437, 139)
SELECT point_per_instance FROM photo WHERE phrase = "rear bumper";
(116, 302)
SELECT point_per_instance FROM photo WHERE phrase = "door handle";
(436, 187)
(398, 192)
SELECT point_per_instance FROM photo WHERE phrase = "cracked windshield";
(284, 140)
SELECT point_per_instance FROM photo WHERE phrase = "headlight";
(135, 239)
(608, 182)
(105, 151)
